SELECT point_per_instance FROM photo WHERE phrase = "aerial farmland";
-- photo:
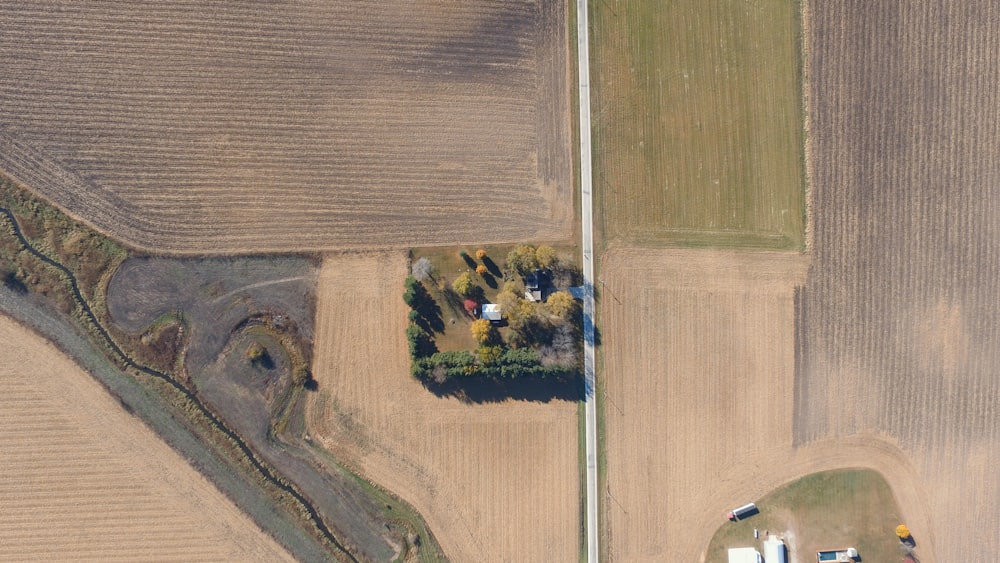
(278, 280)
(104, 486)
(153, 152)
(875, 349)
(323, 125)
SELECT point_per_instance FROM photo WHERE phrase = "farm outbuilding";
(744, 555)
(537, 285)
(775, 551)
(492, 312)
(745, 511)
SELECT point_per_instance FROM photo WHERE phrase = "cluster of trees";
(258, 356)
(526, 258)
(534, 322)
(544, 336)
(503, 363)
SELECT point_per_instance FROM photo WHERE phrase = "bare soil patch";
(177, 127)
(211, 297)
(81, 478)
(495, 482)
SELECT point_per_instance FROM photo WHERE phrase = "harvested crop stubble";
(239, 127)
(898, 319)
(699, 409)
(699, 396)
(80, 478)
(495, 482)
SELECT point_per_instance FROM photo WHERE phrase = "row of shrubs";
(509, 364)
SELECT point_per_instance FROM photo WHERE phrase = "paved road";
(587, 208)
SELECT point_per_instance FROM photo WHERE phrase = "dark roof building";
(537, 285)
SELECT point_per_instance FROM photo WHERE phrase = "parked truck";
(745, 511)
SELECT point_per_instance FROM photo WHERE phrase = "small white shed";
(744, 555)
(491, 312)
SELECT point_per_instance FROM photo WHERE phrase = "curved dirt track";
(494, 482)
(699, 411)
(185, 128)
(82, 479)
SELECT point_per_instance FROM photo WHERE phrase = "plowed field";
(699, 407)
(495, 482)
(82, 479)
(898, 320)
(189, 127)
(884, 355)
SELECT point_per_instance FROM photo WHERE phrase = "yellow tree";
(489, 355)
(509, 297)
(480, 254)
(482, 330)
(463, 284)
(519, 315)
(522, 259)
(481, 270)
(545, 256)
(561, 304)
(902, 531)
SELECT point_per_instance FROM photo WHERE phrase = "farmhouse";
(537, 285)
(492, 312)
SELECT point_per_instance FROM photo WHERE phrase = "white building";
(491, 312)
(774, 550)
(744, 555)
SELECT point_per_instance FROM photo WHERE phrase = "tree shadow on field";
(487, 390)
(454, 302)
(492, 267)
(431, 319)
(490, 280)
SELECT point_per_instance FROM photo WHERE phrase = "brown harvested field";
(235, 127)
(698, 411)
(494, 481)
(82, 479)
(885, 356)
(898, 318)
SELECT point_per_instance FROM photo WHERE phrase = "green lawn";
(829, 510)
(698, 122)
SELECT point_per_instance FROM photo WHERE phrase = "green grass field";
(829, 510)
(698, 122)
